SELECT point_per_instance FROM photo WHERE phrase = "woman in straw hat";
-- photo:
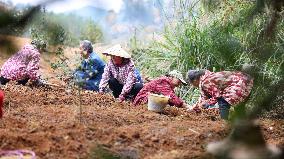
(225, 88)
(24, 65)
(164, 85)
(89, 74)
(120, 74)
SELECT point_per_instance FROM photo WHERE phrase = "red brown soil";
(48, 122)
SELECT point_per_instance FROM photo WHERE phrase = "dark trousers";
(4, 81)
(116, 88)
(224, 108)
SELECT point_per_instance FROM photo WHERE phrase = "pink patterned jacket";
(234, 87)
(125, 75)
(24, 64)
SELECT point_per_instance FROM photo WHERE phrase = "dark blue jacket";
(89, 74)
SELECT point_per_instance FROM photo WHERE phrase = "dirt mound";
(49, 122)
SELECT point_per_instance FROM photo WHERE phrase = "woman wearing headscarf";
(89, 74)
(164, 85)
(24, 65)
(120, 74)
(227, 88)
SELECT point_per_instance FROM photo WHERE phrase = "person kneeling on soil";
(89, 74)
(120, 74)
(24, 65)
(226, 88)
(164, 85)
(1, 103)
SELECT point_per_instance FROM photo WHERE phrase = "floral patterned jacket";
(24, 64)
(126, 75)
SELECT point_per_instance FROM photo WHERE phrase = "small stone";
(209, 135)
(155, 139)
(66, 137)
(122, 136)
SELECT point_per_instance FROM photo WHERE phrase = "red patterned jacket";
(161, 85)
(234, 87)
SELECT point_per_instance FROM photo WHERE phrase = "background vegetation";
(59, 29)
(222, 36)
(54, 29)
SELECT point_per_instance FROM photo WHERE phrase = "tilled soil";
(50, 123)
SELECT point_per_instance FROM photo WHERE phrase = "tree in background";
(59, 29)
(91, 31)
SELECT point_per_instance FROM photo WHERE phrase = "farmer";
(227, 88)
(1, 103)
(120, 74)
(89, 74)
(164, 85)
(24, 65)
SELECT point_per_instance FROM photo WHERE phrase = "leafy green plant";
(101, 152)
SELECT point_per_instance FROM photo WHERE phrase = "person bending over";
(227, 88)
(24, 65)
(164, 85)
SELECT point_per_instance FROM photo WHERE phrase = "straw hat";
(117, 50)
(177, 75)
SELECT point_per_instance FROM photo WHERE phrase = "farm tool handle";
(51, 84)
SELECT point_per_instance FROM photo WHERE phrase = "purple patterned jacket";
(24, 64)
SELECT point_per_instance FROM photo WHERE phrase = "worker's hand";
(121, 98)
